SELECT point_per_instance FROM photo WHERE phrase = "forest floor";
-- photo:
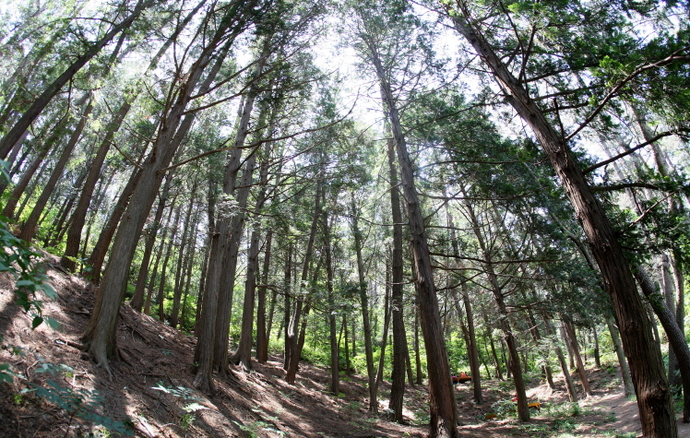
(58, 392)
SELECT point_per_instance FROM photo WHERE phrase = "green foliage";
(20, 261)
(190, 402)
(76, 402)
(504, 408)
(422, 418)
(5, 373)
(255, 427)
(81, 403)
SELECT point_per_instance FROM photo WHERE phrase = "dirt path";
(627, 414)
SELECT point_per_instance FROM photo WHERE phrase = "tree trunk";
(287, 315)
(204, 353)
(210, 213)
(571, 337)
(536, 335)
(164, 266)
(292, 350)
(468, 330)
(510, 340)
(494, 355)
(680, 301)
(181, 253)
(473, 350)
(231, 229)
(243, 354)
(156, 264)
(625, 370)
(261, 332)
(19, 189)
(443, 413)
(137, 300)
(570, 386)
(668, 287)
(675, 336)
(189, 264)
(364, 302)
(101, 248)
(99, 338)
(386, 324)
(595, 339)
(79, 215)
(397, 302)
(332, 322)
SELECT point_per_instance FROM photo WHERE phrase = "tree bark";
(262, 330)
(99, 338)
(396, 304)
(443, 413)
(675, 336)
(137, 300)
(78, 219)
(364, 302)
(105, 237)
(570, 386)
(156, 264)
(571, 337)
(164, 266)
(30, 171)
(386, 324)
(181, 257)
(509, 338)
(628, 388)
(332, 322)
(292, 350)
(467, 329)
(79, 214)
(243, 354)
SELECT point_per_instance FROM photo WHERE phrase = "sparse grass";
(421, 418)
(253, 429)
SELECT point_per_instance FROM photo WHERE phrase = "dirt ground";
(58, 392)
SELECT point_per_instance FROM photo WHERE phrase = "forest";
(402, 189)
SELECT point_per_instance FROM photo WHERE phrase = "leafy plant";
(504, 408)
(81, 403)
(5, 373)
(185, 394)
(19, 260)
(254, 428)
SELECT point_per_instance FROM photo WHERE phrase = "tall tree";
(396, 300)
(374, 36)
(364, 302)
(99, 338)
(653, 393)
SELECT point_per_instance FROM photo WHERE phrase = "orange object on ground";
(462, 378)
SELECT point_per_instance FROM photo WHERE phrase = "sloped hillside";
(58, 392)
(150, 392)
